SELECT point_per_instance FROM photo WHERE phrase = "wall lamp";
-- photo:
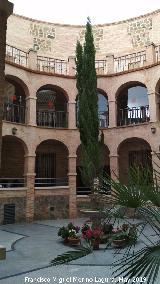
(153, 130)
(14, 130)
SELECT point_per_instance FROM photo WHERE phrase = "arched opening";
(12, 170)
(52, 107)
(133, 152)
(103, 109)
(132, 104)
(81, 188)
(157, 98)
(14, 101)
(51, 164)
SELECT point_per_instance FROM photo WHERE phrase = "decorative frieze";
(43, 36)
(98, 36)
(139, 32)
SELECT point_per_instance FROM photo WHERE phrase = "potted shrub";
(92, 236)
(69, 233)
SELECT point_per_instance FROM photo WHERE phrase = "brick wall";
(20, 208)
(51, 207)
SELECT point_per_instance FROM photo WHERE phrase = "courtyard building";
(40, 176)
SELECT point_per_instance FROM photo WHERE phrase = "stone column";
(6, 9)
(31, 111)
(30, 181)
(114, 166)
(112, 113)
(32, 59)
(110, 63)
(72, 186)
(153, 106)
(156, 164)
(72, 65)
(72, 115)
(150, 54)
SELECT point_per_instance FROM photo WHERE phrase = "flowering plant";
(69, 231)
(90, 234)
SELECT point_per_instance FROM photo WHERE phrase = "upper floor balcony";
(109, 65)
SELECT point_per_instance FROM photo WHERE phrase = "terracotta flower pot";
(95, 244)
(120, 243)
(73, 241)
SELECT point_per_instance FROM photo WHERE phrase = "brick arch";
(14, 151)
(52, 161)
(52, 140)
(128, 84)
(18, 82)
(133, 151)
(55, 88)
(23, 143)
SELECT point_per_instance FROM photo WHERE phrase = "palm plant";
(146, 261)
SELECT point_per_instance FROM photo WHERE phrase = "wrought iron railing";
(83, 190)
(134, 115)
(14, 113)
(54, 119)
(103, 119)
(100, 66)
(157, 50)
(12, 182)
(52, 65)
(16, 55)
(51, 182)
(129, 61)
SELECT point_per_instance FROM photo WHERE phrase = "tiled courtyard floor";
(31, 247)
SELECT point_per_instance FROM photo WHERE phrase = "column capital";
(72, 102)
(113, 156)
(6, 7)
(72, 156)
(31, 98)
(72, 174)
(30, 156)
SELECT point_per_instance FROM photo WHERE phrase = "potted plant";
(124, 235)
(69, 233)
(92, 236)
(64, 233)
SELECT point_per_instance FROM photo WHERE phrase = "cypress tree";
(88, 107)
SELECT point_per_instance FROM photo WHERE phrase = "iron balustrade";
(103, 117)
(12, 182)
(157, 50)
(16, 55)
(14, 113)
(83, 190)
(134, 115)
(54, 119)
(51, 182)
(100, 66)
(52, 65)
(130, 61)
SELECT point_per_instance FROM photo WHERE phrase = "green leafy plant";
(71, 255)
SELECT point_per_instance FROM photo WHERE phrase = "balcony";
(51, 65)
(53, 119)
(110, 65)
(14, 113)
(50, 182)
(134, 115)
(12, 182)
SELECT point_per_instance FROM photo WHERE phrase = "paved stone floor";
(31, 247)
